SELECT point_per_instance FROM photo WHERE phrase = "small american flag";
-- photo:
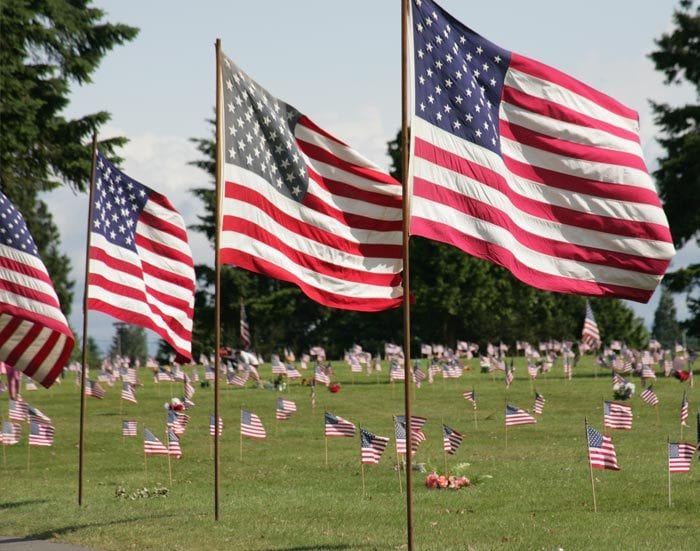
(244, 329)
(239, 377)
(36, 338)
(129, 427)
(601, 452)
(36, 412)
(278, 368)
(517, 416)
(471, 396)
(40, 433)
(334, 425)
(396, 372)
(29, 385)
(209, 374)
(649, 396)
(590, 335)
(11, 433)
(93, 388)
(174, 449)
(451, 439)
(400, 435)
(211, 426)
(177, 422)
(251, 425)
(680, 455)
(151, 444)
(532, 370)
(684, 411)
(128, 393)
(321, 376)
(418, 375)
(164, 376)
(617, 416)
(141, 269)
(371, 447)
(648, 372)
(509, 374)
(292, 372)
(285, 409)
(539, 403)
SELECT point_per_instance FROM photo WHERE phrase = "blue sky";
(339, 63)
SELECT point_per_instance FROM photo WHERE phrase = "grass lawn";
(282, 496)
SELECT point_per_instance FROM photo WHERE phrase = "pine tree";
(666, 328)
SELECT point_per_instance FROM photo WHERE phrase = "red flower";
(335, 387)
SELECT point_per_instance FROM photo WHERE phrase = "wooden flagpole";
(145, 464)
(91, 208)
(669, 472)
(170, 467)
(325, 439)
(406, 208)
(506, 423)
(362, 470)
(444, 452)
(658, 419)
(28, 452)
(590, 466)
(217, 272)
(240, 440)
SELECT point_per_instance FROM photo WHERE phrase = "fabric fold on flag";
(140, 269)
(251, 425)
(601, 452)
(520, 164)
(301, 206)
(34, 334)
(371, 447)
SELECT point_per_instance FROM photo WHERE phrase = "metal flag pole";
(91, 208)
(406, 273)
(217, 271)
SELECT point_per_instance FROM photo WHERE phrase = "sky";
(340, 64)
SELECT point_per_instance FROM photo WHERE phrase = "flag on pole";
(129, 427)
(36, 412)
(617, 416)
(285, 409)
(151, 444)
(400, 436)
(649, 396)
(320, 376)
(601, 452)
(451, 439)
(371, 447)
(539, 403)
(93, 388)
(128, 393)
(517, 416)
(141, 269)
(40, 433)
(251, 425)
(680, 455)
(17, 410)
(335, 425)
(211, 426)
(292, 372)
(34, 334)
(11, 433)
(684, 411)
(518, 163)
(471, 396)
(301, 206)
(244, 329)
(590, 335)
(174, 449)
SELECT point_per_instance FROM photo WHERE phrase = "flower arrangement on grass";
(623, 390)
(454, 481)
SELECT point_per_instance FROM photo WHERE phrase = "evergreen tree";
(129, 341)
(666, 328)
(678, 176)
(47, 46)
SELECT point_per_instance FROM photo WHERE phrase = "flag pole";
(406, 272)
(590, 466)
(362, 470)
(170, 467)
(217, 276)
(669, 471)
(91, 207)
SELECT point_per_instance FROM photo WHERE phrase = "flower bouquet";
(435, 480)
(623, 390)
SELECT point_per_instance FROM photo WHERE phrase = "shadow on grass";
(16, 504)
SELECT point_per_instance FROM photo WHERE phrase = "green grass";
(281, 495)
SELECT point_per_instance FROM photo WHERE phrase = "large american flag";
(371, 447)
(617, 416)
(680, 455)
(141, 269)
(517, 416)
(34, 334)
(451, 439)
(301, 206)
(251, 425)
(335, 425)
(518, 163)
(601, 452)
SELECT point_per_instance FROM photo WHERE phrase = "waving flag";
(151, 444)
(684, 411)
(244, 329)
(451, 439)
(211, 426)
(601, 452)
(11, 433)
(251, 425)
(301, 206)
(335, 425)
(285, 409)
(141, 269)
(680, 455)
(617, 416)
(129, 427)
(128, 393)
(40, 433)
(517, 416)
(17, 410)
(93, 388)
(649, 396)
(590, 335)
(371, 447)
(539, 403)
(174, 449)
(471, 396)
(34, 334)
(320, 376)
(520, 164)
